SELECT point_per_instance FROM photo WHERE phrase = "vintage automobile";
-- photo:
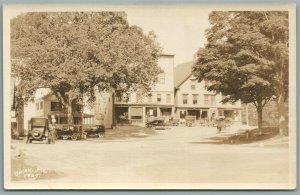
(40, 130)
(190, 120)
(96, 131)
(76, 133)
(156, 122)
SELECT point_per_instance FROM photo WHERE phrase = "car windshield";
(39, 121)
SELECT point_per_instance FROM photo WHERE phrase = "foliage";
(72, 53)
(246, 56)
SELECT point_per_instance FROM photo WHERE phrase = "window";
(168, 98)
(137, 117)
(195, 98)
(206, 100)
(41, 105)
(125, 97)
(136, 112)
(139, 97)
(78, 108)
(37, 106)
(55, 106)
(158, 97)
(161, 78)
(149, 97)
(184, 98)
(193, 84)
(213, 100)
(118, 96)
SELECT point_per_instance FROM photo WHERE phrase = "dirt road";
(169, 156)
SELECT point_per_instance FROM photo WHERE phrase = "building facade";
(46, 105)
(158, 102)
(192, 99)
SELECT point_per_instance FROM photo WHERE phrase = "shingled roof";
(182, 72)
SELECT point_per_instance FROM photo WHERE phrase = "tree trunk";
(82, 114)
(113, 111)
(259, 109)
(69, 111)
(283, 124)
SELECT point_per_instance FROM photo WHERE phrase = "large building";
(158, 102)
(192, 99)
(177, 93)
(47, 105)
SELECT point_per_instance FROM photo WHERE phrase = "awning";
(63, 114)
(136, 111)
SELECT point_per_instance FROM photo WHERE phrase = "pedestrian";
(220, 125)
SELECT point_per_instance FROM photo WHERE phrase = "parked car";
(67, 134)
(97, 131)
(190, 120)
(40, 130)
(77, 133)
(174, 121)
(157, 122)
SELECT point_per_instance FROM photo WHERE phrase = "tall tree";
(72, 53)
(246, 57)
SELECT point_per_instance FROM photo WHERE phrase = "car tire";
(74, 137)
(40, 134)
(100, 135)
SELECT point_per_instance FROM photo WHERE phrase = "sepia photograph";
(149, 96)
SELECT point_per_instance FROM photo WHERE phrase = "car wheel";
(36, 134)
(74, 137)
(100, 135)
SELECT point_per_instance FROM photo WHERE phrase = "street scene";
(146, 156)
(193, 99)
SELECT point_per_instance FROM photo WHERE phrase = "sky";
(180, 29)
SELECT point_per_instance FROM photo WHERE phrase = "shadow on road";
(242, 137)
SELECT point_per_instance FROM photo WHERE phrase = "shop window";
(136, 113)
(63, 120)
(136, 117)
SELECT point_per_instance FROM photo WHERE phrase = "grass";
(246, 136)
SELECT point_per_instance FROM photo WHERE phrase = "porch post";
(144, 114)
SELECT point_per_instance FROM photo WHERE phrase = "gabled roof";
(46, 95)
(182, 72)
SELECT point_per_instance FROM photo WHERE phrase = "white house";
(191, 98)
(46, 105)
